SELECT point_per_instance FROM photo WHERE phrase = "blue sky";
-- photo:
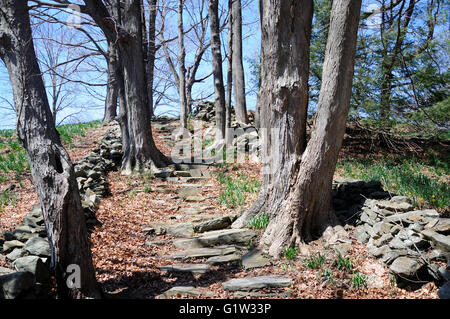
(86, 102)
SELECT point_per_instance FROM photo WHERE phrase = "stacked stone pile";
(414, 244)
(28, 248)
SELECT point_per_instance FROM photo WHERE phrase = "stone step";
(192, 268)
(217, 237)
(256, 283)
(204, 252)
(219, 260)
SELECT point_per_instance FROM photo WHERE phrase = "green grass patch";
(290, 252)
(358, 280)
(422, 181)
(234, 194)
(315, 261)
(13, 157)
(259, 222)
(7, 198)
(343, 263)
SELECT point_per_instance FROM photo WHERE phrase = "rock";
(254, 259)
(16, 253)
(215, 224)
(252, 295)
(401, 199)
(5, 271)
(395, 206)
(381, 228)
(252, 283)
(379, 251)
(33, 221)
(204, 252)
(391, 255)
(414, 216)
(444, 291)
(16, 284)
(194, 199)
(181, 230)
(218, 237)
(38, 246)
(10, 245)
(383, 240)
(193, 268)
(189, 191)
(441, 241)
(36, 211)
(331, 235)
(218, 260)
(406, 267)
(442, 226)
(35, 265)
(180, 291)
(154, 231)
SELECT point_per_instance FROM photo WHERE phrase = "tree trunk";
(139, 147)
(219, 91)
(307, 206)
(111, 89)
(229, 90)
(283, 99)
(51, 168)
(240, 106)
(151, 52)
(182, 67)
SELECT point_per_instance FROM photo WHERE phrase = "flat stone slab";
(406, 267)
(204, 252)
(214, 224)
(254, 259)
(180, 291)
(189, 191)
(193, 268)
(219, 260)
(441, 241)
(217, 237)
(181, 230)
(253, 283)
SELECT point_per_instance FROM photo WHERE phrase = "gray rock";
(16, 284)
(254, 259)
(383, 240)
(249, 294)
(379, 251)
(16, 253)
(253, 283)
(5, 271)
(395, 206)
(361, 235)
(204, 252)
(442, 226)
(189, 191)
(441, 241)
(180, 291)
(192, 268)
(10, 245)
(35, 265)
(381, 228)
(181, 230)
(444, 291)
(392, 255)
(38, 246)
(406, 267)
(215, 224)
(218, 237)
(218, 260)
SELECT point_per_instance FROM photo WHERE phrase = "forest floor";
(127, 266)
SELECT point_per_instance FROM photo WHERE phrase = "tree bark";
(219, 91)
(283, 99)
(238, 66)
(139, 147)
(182, 67)
(307, 209)
(228, 94)
(51, 168)
(111, 89)
(151, 52)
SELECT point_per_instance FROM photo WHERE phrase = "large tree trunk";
(283, 99)
(219, 91)
(238, 66)
(228, 94)
(50, 164)
(139, 147)
(307, 206)
(111, 89)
